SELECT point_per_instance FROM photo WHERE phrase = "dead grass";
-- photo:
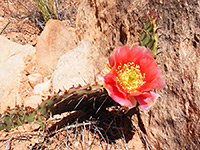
(22, 21)
(109, 129)
(40, 11)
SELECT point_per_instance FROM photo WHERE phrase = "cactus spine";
(149, 36)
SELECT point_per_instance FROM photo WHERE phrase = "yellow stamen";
(130, 77)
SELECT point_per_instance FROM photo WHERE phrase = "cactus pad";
(149, 36)
(76, 98)
(79, 98)
(18, 116)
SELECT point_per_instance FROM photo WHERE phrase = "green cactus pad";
(80, 98)
(18, 116)
(149, 36)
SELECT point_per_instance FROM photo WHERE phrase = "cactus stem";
(26, 121)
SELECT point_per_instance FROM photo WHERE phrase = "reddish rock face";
(173, 123)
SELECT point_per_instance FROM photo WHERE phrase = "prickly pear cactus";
(79, 98)
(149, 36)
(18, 116)
(76, 98)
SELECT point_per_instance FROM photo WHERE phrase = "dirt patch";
(21, 22)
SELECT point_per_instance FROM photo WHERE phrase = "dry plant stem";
(147, 145)
(73, 126)
(5, 27)
(124, 139)
(144, 139)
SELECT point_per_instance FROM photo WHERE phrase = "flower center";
(130, 77)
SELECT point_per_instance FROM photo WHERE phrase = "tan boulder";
(54, 41)
(12, 63)
(78, 66)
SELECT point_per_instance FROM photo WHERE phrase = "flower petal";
(147, 100)
(126, 54)
(143, 58)
(111, 61)
(120, 97)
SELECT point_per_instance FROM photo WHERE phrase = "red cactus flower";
(134, 73)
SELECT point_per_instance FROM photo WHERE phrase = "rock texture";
(12, 63)
(110, 23)
(54, 41)
(78, 66)
(174, 121)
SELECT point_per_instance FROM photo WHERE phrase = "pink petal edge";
(120, 97)
(147, 100)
